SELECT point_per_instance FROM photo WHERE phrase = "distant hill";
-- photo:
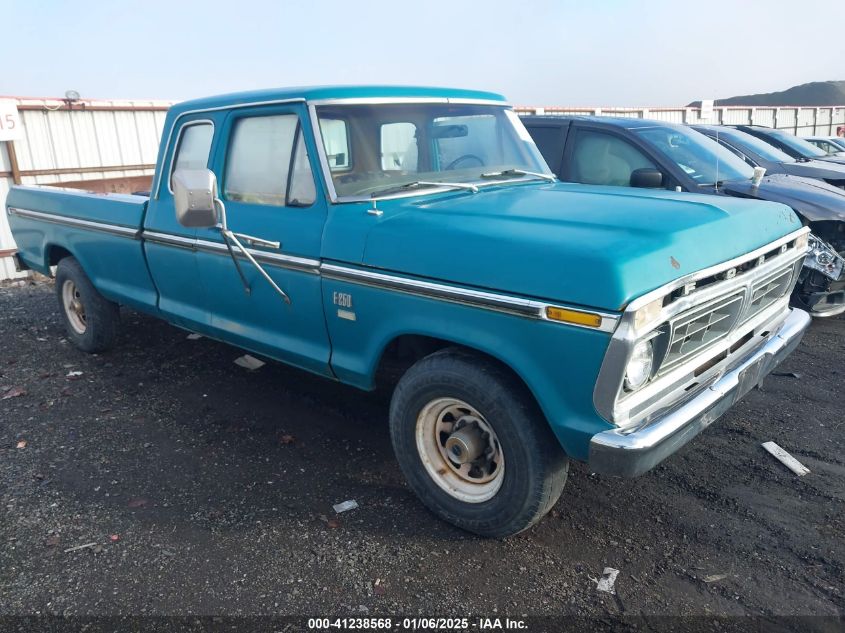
(816, 93)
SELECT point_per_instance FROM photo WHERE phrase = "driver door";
(266, 180)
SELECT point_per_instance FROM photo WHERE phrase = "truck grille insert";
(694, 330)
(766, 291)
(698, 328)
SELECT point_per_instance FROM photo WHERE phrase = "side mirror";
(647, 178)
(194, 195)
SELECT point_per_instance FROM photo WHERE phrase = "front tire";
(92, 321)
(473, 445)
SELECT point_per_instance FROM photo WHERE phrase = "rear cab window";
(193, 147)
(399, 151)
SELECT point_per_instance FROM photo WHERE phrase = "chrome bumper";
(628, 453)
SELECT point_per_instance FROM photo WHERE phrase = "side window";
(301, 191)
(399, 149)
(193, 147)
(605, 159)
(259, 159)
(336, 141)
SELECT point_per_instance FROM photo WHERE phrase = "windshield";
(703, 160)
(802, 147)
(741, 140)
(378, 149)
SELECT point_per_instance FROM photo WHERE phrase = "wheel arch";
(401, 350)
(556, 364)
(54, 253)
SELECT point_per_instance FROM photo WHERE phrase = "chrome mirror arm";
(229, 237)
(222, 225)
(224, 233)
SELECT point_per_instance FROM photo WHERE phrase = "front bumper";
(628, 453)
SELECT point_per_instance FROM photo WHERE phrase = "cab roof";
(313, 93)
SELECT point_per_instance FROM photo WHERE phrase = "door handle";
(257, 241)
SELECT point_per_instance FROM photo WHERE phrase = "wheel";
(473, 445)
(91, 320)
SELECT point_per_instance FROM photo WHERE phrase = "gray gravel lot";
(208, 489)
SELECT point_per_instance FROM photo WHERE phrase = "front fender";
(558, 363)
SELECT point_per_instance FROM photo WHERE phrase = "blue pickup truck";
(347, 230)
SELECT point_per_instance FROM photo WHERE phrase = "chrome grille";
(693, 331)
(766, 291)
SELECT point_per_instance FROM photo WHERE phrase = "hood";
(580, 244)
(815, 169)
(830, 158)
(812, 199)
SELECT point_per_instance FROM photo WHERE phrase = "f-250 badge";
(343, 301)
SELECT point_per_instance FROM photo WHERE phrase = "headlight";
(639, 367)
(824, 258)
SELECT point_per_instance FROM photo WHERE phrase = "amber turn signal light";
(575, 317)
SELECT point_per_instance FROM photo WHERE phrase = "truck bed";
(103, 231)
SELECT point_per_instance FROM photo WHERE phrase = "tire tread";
(462, 365)
(102, 315)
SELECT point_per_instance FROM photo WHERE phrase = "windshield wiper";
(424, 183)
(511, 173)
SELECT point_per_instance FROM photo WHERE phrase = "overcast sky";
(536, 52)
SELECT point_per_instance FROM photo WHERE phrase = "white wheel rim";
(473, 482)
(75, 311)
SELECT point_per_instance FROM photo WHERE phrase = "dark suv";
(627, 152)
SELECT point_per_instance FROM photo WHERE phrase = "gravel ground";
(208, 489)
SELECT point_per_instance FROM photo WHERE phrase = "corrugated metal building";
(96, 144)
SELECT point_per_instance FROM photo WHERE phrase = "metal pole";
(13, 162)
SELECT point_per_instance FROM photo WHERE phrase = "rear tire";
(514, 468)
(92, 321)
